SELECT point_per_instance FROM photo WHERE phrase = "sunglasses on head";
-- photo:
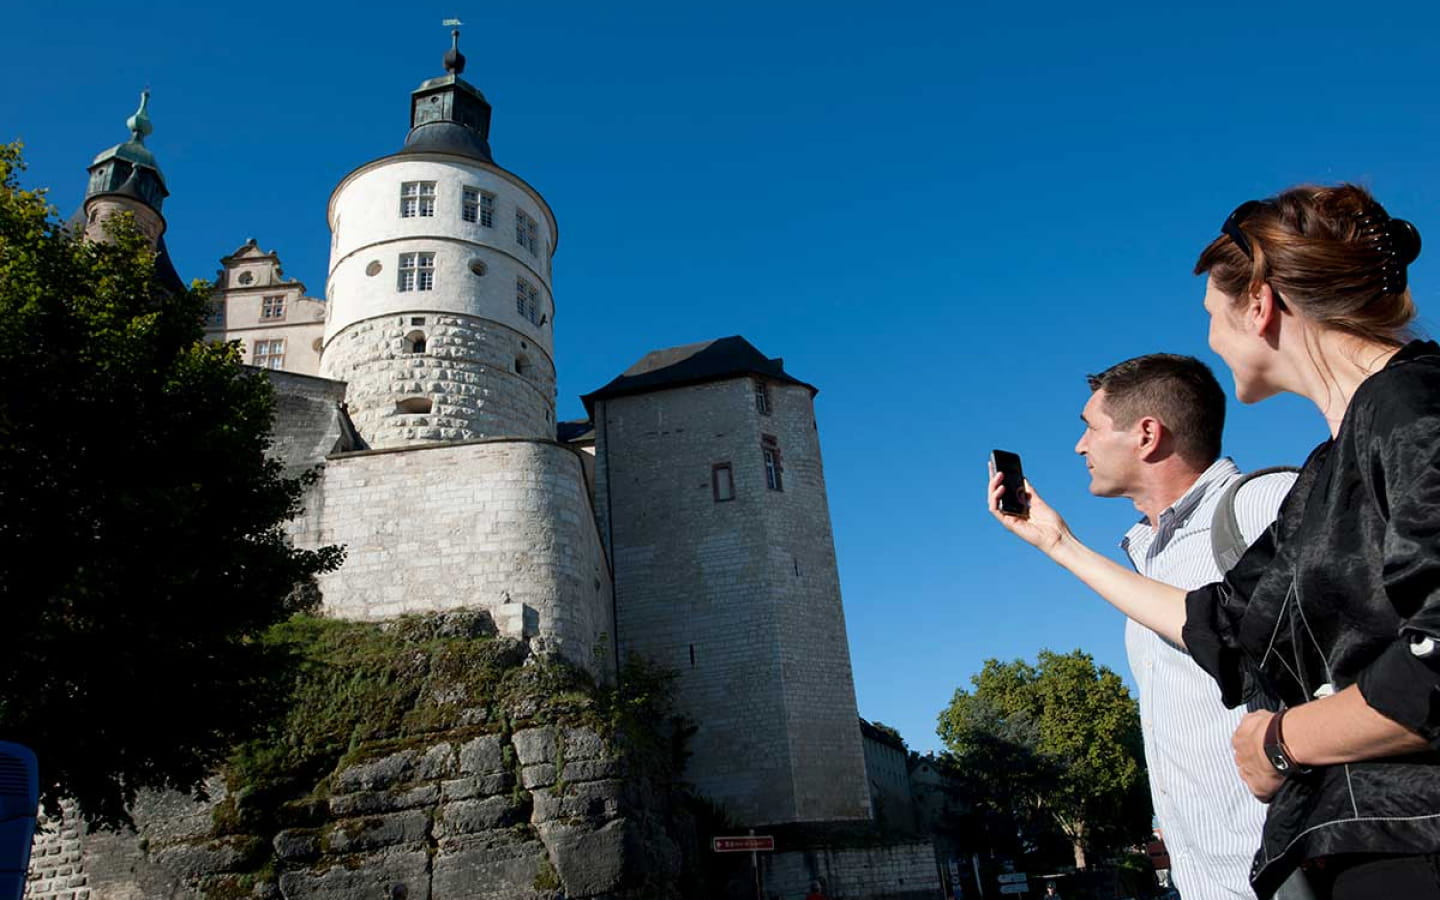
(1231, 228)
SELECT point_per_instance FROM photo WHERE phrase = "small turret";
(126, 178)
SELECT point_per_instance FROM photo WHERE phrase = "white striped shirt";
(1210, 820)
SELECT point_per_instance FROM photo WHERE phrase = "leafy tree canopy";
(1055, 744)
(142, 549)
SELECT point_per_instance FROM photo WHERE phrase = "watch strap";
(1276, 751)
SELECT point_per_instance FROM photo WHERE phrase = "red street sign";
(745, 844)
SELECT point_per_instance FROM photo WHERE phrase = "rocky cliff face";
(514, 786)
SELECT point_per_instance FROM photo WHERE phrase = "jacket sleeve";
(1400, 462)
(1213, 614)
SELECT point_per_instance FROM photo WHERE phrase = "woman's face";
(1241, 349)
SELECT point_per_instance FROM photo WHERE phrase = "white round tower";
(440, 314)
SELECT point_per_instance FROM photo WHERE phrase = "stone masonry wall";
(817, 683)
(505, 526)
(482, 379)
(540, 814)
(897, 872)
(740, 597)
(57, 864)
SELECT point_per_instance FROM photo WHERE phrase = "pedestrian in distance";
(1335, 610)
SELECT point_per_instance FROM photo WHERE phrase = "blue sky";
(942, 215)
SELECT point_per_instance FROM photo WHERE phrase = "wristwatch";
(1278, 753)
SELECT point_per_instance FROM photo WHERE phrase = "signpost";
(1013, 883)
(753, 844)
(748, 844)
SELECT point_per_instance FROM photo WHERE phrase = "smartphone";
(1012, 501)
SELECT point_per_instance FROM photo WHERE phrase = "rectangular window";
(269, 354)
(527, 301)
(527, 232)
(272, 307)
(770, 450)
(417, 272)
(478, 206)
(762, 397)
(216, 316)
(417, 198)
(722, 482)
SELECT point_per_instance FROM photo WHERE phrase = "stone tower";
(711, 500)
(440, 309)
(126, 178)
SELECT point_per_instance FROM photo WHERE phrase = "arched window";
(413, 405)
(414, 342)
(522, 365)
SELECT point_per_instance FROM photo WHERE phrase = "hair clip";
(1396, 240)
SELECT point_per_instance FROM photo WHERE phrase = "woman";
(1335, 611)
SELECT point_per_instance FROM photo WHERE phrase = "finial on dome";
(454, 59)
(139, 123)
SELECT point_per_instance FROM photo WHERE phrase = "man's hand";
(1249, 745)
(1043, 528)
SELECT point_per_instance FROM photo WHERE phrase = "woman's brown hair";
(1317, 248)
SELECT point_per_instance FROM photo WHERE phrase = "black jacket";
(1333, 595)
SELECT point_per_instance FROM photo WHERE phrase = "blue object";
(19, 803)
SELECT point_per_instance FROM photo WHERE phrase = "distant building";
(277, 326)
(887, 771)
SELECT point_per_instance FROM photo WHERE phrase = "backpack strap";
(1226, 540)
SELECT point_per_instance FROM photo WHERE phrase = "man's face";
(1109, 451)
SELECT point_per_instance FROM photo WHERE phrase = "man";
(1152, 435)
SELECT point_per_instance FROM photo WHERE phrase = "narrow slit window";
(722, 482)
(770, 452)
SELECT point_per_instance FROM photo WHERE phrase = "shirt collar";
(1220, 470)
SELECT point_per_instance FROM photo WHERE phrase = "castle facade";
(686, 521)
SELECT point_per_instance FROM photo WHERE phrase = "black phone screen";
(1008, 464)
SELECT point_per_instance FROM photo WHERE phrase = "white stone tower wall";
(468, 371)
(487, 369)
(769, 682)
(500, 525)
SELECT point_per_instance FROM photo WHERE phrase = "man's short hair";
(1180, 391)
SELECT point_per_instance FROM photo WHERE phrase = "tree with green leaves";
(142, 541)
(1054, 744)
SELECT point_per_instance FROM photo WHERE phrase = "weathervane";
(454, 59)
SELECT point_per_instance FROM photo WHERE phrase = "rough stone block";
(371, 802)
(377, 774)
(397, 873)
(297, 844)
(482, 755)
(481, 786)
(190, 861)
(590, 800)
(484, 868)
(589, 861)
(538, 776)
(375, 832)
(583, 743)
(440, 761)
(475, 816)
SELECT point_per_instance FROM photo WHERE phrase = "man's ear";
(1149, 435)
